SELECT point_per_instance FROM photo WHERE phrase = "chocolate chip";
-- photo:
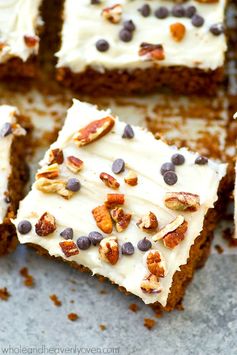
(73, 184)
(102, 45)
(127, 249)
(83, 243)
(125, 35)
(217, 29)
(118, 166)
(197, 21)
(190, 11)
(170, 178)
(177, 159)
(128, 132)
(24, 227)
(129, 25)
(67, 233)
(6, 129)
(95, 237)
(166, 167)
(145, 10)
(201, 160)
(178, 11)
(144, 244)
(162, 12)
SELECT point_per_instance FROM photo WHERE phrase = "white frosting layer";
(18, 18)
(84, 25)
(144, 155)
(7, 114)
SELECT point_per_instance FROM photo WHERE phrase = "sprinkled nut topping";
(31, 41)
(45, 225)
(151, 284)
(167, 167)
(128, 132)
(162, 12)
(170, 178)
(178, 159)
(6, 130)
(118, 166)
(83, 243)
(182, 201)
(69, 248)
(177, 31)
(145, 10)
(173, 233)
(148, 222)
(144, 244)
(152, 51)
(74, 164)
(109, 250)
(114, 199)
(67, 233)
(53, 186)
(131, 178)
(155, 264)
(121, 218)
(24, 227)
(103, 219)
(197, 20)
(95, 237)
(56, 156)
(127, 249)
(48, 172)
(73, 185)
(102, 45)
(201, 160)
(109, 181)
(113, 13)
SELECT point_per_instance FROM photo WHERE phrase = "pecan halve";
(170, 227)
(171, 240)
(56, 156)
(155, 264)
(93, 131)
(114, 199)
(48, 172)
(182, 201)
(152, 51)
(131, 178)
(53, 186)
(148, 223)
(103, 219)
(121, 218)
(109, 181)
(177, 31)
(69, 248)
(109, 250)
(151, 284)
(113, 13)
(45, 225)
(74, 164)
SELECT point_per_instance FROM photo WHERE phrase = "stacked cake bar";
(19, 42)
(124, 46)
(112, 199)
(13, 173)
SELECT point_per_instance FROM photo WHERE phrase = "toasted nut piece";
(74, 164)
(182, 201)
(148, 223)
(56, 156)
(114, 199)
(54, 186)
(131, 179)
(155, 264)
(109, 181)
(169, 228)
(31, 41)
(103, 219)
(121, 218)
(48, 172)
(152, 51)
(171, 240)
(177, 31)
(93, 131)
(69, 248)
(150, 284)
(45, 225)
(113, 13)
(109, 250)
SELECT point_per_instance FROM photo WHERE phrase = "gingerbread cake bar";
(20, 23)
(112, 199)
(13, 173)
(124, 47)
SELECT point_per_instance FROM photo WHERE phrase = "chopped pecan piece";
(155, 264)
(109, 250)
(74, 164)
(31, 41)
(121, 218)
(56, 156)
(152, 51)
(173, 233)
(148, 223)
(45, 225)
(103, 219)
(48, 172)
(114, 199)
(53, 186)
(93, 131)
(69, 248)
(182, 201)
(177, 31)
(151, 284)
(131, 179)
(113, 13)
(109, 181)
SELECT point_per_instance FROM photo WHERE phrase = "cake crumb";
(55, 300)
(28, 279)
(103, 292)
(219, 249)
(133, 307)
(149, 323)
(102, 327)
(73, 316)
(4, 294)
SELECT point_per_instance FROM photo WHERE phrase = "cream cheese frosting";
(19, 20)
(84, 25)
(144, 155)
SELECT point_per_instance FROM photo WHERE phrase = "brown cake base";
(179, 79)
(16, 68)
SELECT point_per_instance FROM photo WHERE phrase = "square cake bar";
(13, 173)
(112, 199)
(124, 47)
(20, 22)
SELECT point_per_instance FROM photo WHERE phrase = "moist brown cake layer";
(179, 79)
(16, 67)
